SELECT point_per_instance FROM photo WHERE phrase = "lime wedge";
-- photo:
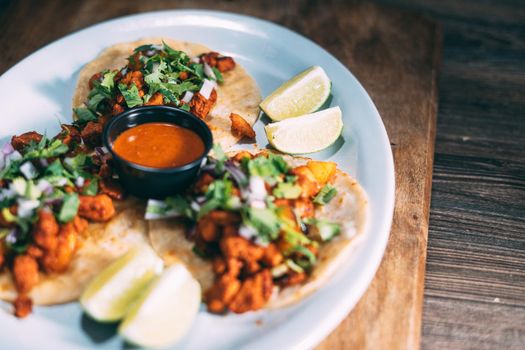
(109, 295)
(304, 93)
(166, 310)
(306, 134)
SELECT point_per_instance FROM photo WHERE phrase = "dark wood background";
(475, 280)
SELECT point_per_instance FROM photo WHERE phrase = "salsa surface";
(159, 145)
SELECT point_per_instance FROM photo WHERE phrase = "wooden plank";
(395, 56)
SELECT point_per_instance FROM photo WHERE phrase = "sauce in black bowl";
(157, 150)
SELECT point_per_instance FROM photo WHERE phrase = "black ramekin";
(148, 182)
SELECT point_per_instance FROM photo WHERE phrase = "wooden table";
(475, 279)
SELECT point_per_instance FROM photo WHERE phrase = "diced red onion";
(150, 53)
(13, 235)
(195, 206)
(26, 207)
(209, 72)
(28, 170)
(247, 232)
(43, 162)
(207, 88)
(200, 200)
(195, 59)
(15, 155)
(79, 182)
(7, 149)
(187, 97)
(7, 193)
(237, 174)
(44, 186)
(257, 188)
(101, 150)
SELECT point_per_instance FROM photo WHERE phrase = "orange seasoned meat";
(134, 77)
(230, 231)
(304, 207)
(156, 100)
(272, 256)
(224, 217)
(111, 187)
(22, 141)
(225, 64)
(200, 106)
(92, 134)
(45, 230)
(202, 183)
(95, 77)
(35, 251)
(96, 208)
(117, 109)
(58, 260)
(2, 254)
(134, 61)
(254, 293)
(242, 154)
(306, 180)
(25, 273)
(210, 58)
(207, 229)
(222, 293)
(240, 127)
(291, 279)
(23, 306)
(241, 248)
(324, 172)
(69, 135)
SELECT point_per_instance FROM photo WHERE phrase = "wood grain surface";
(475, 284)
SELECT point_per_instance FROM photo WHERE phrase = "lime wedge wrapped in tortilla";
(305, 93)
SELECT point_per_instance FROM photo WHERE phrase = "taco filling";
(155, 75)
(49, 190)
(254, 217)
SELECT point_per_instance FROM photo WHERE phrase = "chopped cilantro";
(307, 259)
(93, 103)
(46, 149)
(146, 47)
(287, 190)
(218, 75)
(131, 95)
(84, 115)
(91, 188)
(156, 75)
(198, 70)
(69, 207)
(109, 80)
(327, 193)
(265, 221)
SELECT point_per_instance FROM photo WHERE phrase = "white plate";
(37, 92)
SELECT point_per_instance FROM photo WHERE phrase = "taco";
(59, 226)
(260, 229)
(167, 72)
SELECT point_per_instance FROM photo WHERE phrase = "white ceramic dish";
(37, 92)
